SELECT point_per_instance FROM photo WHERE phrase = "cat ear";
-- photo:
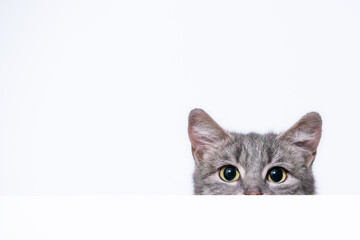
(203, 131)
(306, 133)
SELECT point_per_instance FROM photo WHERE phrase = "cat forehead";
(254, 141)
(245, 146)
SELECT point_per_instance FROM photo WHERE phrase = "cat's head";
(253, 164)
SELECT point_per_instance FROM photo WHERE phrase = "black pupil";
(276, 174)
(229, 173)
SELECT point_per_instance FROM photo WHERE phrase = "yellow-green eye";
(229, 173)
(276, 175)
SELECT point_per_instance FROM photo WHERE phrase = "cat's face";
(254, 164)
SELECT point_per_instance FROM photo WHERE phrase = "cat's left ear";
(306, 134)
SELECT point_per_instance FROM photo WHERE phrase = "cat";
(228, 163)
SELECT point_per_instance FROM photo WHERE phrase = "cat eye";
(276, 175)
(229, 173)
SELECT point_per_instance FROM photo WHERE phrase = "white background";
(179, 217)
(94, 96)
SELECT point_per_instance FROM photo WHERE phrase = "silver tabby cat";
(253, 164)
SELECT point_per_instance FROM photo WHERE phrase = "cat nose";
(253, 192)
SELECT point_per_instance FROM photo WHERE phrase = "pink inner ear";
(198, 140)
(306, 133)
(314, 133)
(203, 130)
(310, 144)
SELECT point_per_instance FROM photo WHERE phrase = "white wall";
(94, 96)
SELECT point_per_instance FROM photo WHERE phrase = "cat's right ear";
(203, 132)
